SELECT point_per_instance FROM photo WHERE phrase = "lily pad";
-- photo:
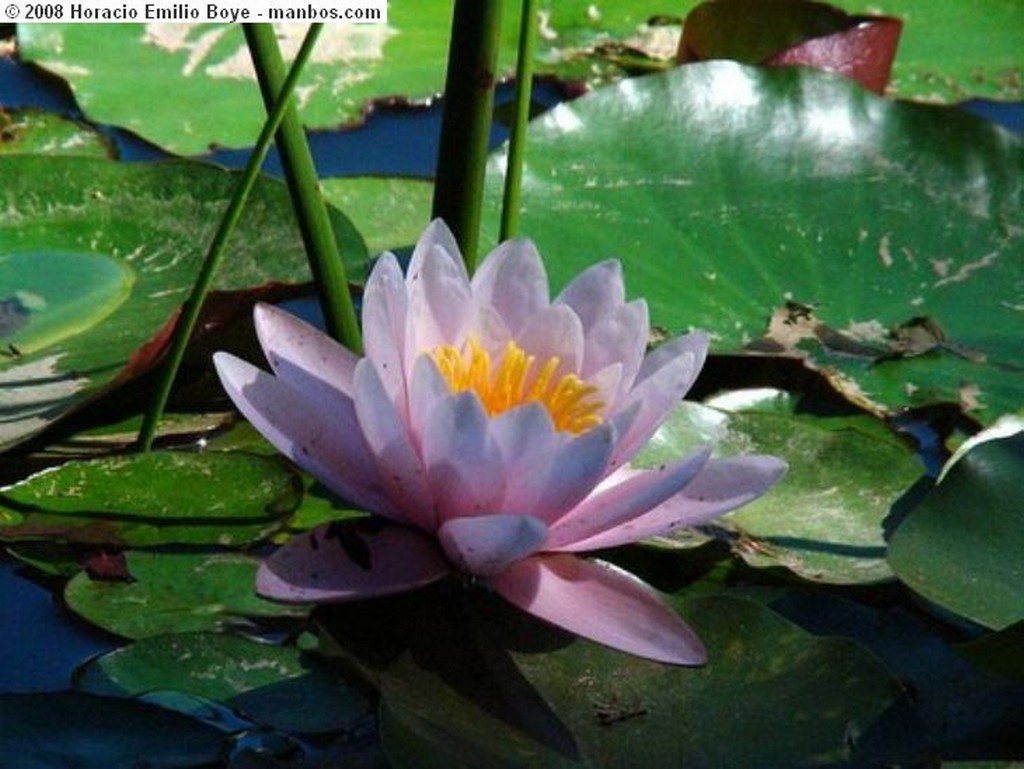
(793, 212)
(175, 593)
(274, 686)
(467, 680)
(390, 212)
(43, 731)
(824, 519)
(30, 131)
(209, 87)
(961, 547)
(131, 237)
(151, 499)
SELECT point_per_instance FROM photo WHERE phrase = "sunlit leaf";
(95, 257)
(792, 211)
(151, 499)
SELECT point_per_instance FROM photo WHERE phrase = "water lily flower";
(492, 429)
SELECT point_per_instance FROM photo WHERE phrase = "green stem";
(517, 140)
(466, 125)
(300, 173)
(190, 310)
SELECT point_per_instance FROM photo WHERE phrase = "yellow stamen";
(569, 400)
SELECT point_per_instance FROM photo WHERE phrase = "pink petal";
(440, 298)
(721, 485)
(348, 561)
(552, 471)
(322, 438)
(613, 506)
(603, 603)
(512, 280)
(385, 310)
(595, 292)
(427, 389)
(664, 378)
(464, 464)
(488, 544)
(398, 464)
(554, 332)
(301, 355)
(619, 337)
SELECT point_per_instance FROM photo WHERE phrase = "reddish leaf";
(793, 32)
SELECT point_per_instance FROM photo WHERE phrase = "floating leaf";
(793, 32)
(467, 680)
(748, 191)
(151, 499)
(42, 731)
(389, 212)
(205, 75)
(961, 547)
(824, 519)
(274, 686)
(132, 238)
(30, 131)
(175, 593)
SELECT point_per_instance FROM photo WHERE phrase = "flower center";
(511, 382)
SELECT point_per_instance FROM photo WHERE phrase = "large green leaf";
(276, 686)
(390, 212)
(31, 131)
(824, 519)
(468, 681)
(961, 547)
(95, 257)
(65, 729)
(949, 51)
(175, 593)
(209, 90)
(156, 498)
(749, 192)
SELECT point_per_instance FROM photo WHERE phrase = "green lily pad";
(275, 686)
(44, 731)
(175, 593)
(961, 547)
(999, 652)
(466, 680)
(390, 212)
(132, 238)
(209, 88)
(58, 295)
(793, 212)
(31, 131)
(156, 498)
(824, 519)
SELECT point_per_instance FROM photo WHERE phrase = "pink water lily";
(492, 428)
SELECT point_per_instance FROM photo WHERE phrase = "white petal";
(595, 292)
(485, 545)
(440, 298)
(664, 378)
(385, 313)
(513, 281)
(398, 464)
(464, 464)
(303, 356)
(721, 485)
(322, 438)
(615, 506)
(549, 471)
